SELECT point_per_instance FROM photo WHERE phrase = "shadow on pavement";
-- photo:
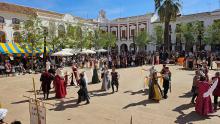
(186, 95)
(189, 118)
(145, 92)
(143, 103)
(65, 105)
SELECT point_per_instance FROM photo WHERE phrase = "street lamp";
(45, 44)
(200, 40)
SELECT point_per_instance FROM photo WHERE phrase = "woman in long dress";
(155, 92)
(59, 84)
(203, 100)
(105, 78)
(95, 77)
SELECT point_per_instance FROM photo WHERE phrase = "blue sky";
(113, 8)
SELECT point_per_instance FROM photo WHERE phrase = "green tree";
(142, 39)
(158, 34)
(167, 10)
(32, 32)
(212, 33)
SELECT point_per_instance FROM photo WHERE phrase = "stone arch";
(124, 48)
(2, 19)
(16, 37)
(133, 47)
(15, 21)
(2, 37)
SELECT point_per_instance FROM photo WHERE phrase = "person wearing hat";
(83, 92)
(203, 104)
(59, 84)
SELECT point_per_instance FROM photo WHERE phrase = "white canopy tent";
(102, 51)
(87, 51)
(62, 53)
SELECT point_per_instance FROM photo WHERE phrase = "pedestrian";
(46, 79)
(105, 78)
(83, 92)
(203, 101)
(95, 77)
(76, 75)
(114, 81)
(59, 84)
(166, 81)
(194, 86)
(155, 92)
(216, 92)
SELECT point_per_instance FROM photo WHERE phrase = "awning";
(11, 48)
(15, 49)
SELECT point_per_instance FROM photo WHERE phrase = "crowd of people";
(55, 76)
(203, 87)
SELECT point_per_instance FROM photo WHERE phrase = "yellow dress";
(157, 93)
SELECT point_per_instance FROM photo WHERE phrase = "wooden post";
(36, 101)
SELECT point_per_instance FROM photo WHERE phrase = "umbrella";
(3, 113)
(62, 53)
(85, 51)
(102, 51)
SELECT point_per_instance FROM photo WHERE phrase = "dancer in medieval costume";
(83, 92)
(76, 75)
(59, 84)
(216, 92)
(194, 86)
(151, 70)
(105, 78)
(46, 79)
(203, 100)
(95, 77)
(155, 92)
(114, 80)
(166, 81)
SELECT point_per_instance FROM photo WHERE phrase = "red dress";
(217, 89)
(75, 72)
(203, 105)
(60, 89)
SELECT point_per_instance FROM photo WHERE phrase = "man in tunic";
(59, 84)
(46, 79)
(114, 81)
(166, 81)
(83, 92)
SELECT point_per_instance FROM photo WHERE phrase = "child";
(114, 75)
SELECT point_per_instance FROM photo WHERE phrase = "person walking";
(83, 92)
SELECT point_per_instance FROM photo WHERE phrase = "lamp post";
(200, 40)
(45, 44)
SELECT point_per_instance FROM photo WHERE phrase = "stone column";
(137, 27)
(109, 28)
(119, 34)
(128, 32)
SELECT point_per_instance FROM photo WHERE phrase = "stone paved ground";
(107, 108)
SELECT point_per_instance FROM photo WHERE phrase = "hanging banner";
(37, 113)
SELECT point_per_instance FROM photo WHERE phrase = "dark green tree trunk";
(166, 36)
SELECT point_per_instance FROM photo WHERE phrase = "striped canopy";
(10, 48)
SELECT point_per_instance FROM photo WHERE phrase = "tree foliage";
(32, 32)
(158, 34)
(142, 39)
(212, 33)
(167, 10)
